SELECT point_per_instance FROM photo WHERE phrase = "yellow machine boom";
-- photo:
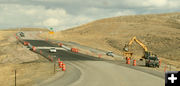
(139, 42)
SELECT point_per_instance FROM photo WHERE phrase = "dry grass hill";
(159, 32)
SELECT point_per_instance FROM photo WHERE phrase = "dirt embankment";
(159, 32)
(31, 68)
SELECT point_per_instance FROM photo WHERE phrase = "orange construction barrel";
(60, 64)
(128, 61)
(134, 62)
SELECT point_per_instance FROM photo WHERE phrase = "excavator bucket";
(126, 48)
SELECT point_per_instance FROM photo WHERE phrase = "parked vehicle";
(152, 61)
(21, 34)
(110, 54)
(52, 50)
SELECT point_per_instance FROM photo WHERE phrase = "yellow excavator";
(151, 59)
(126, 48)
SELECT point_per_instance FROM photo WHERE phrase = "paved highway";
(84, 70)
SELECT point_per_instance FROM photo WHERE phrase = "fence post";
(15, 77)
(54, 67)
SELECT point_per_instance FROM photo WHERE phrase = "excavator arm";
(126, 47)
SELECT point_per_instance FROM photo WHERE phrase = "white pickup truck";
(52, 50)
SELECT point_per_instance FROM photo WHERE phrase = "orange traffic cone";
(40, 52)
(99, 55)
(51, 59)
(63, 67)
(59, 60)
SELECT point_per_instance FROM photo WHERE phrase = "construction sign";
(51, 31)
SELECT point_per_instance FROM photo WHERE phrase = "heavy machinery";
(150, 58)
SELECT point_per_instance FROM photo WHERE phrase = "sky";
(64, 14)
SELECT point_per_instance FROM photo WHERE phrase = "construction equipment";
(148, 56)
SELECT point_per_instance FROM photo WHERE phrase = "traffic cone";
(59, 60)
(49, 56)
(63, 67)
(40, 52)
(51, 59)
(165, 68)
(99, 55)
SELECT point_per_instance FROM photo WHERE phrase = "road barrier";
(63, 67)
(60, 44)
(74, 50)
(34, 48)
(26, 43)
(128, 61)
(30, 46)
(134, 62)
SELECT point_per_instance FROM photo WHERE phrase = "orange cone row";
(128, 61)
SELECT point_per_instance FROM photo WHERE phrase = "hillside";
(159, 32)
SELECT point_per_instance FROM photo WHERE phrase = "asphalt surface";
(84, 70)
